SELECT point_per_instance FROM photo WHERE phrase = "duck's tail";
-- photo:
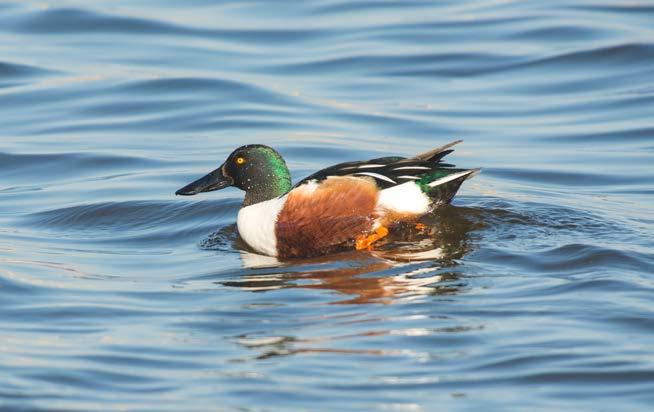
(442, 183)
(435, 155)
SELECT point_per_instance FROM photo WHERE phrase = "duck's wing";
(349, 169)
(393, 170)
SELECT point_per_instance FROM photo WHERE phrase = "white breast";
(256, 225)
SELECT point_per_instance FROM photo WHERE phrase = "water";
(534, 291)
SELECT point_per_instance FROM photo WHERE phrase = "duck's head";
(257, 169)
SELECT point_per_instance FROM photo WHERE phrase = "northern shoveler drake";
(351, 204)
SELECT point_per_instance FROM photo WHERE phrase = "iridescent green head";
(257, 169)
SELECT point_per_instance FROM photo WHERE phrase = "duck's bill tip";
(213, 181)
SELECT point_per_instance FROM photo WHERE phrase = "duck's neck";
(273, 184)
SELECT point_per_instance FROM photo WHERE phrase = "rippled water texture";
(533, 291)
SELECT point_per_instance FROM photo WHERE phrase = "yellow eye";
(240, 160)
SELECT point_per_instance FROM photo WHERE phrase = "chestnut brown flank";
(316, 222)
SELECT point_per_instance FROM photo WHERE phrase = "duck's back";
(334, 207)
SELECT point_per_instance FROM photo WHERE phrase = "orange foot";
(365, 242)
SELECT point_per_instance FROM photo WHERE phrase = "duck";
(349, 205)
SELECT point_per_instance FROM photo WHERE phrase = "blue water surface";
(533, 291)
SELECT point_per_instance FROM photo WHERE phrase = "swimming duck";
(351, 204)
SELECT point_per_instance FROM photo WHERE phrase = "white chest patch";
(404, 198)
(256, 225)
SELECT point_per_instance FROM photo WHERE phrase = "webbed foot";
(365, 242)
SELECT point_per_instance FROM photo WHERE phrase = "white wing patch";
(404, 198)
(377, 176)
(368, 166)
(412, 168)
(256, 223)
(449, 178)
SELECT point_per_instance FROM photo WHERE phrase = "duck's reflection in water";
(411, 262)
(409, 265)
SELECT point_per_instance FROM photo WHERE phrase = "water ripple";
(77, 21)
(116, 294)
(13, 70)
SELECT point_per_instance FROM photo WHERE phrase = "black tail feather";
(444, 193)
(437, 154)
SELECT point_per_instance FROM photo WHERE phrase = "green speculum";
(430, 177)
